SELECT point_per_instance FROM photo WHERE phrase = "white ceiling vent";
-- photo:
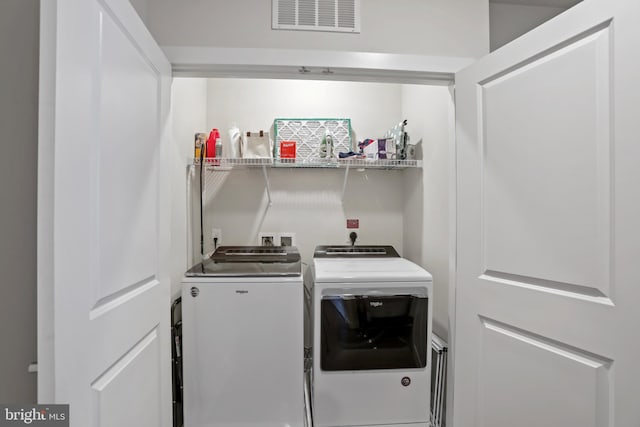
(317, 15)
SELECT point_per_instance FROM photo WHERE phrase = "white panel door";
(103, 216)
(548, 226)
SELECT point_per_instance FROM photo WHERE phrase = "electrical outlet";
(216, 237)
(287, 239)
(267, 238)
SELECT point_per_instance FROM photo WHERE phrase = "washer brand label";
(376, 304)
(34, 415)
(241, 291)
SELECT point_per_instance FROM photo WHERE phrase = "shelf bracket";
(344, 183)
(266, 184)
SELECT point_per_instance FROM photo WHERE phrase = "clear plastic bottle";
(218, 146)
(326, 147)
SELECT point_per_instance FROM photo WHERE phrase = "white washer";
(372, 338)
(243, 351)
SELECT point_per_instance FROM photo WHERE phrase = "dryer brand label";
(195, 291)
(241, 291)
(376, 304)
(405, 381)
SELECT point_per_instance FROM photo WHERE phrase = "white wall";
(433, 27)
(19, 33)
(189, 111)
(306, 202)
(254, 103)
(510, 21)
(428, 110)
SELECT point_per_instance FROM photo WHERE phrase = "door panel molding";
(546, 181)
(139, 36)
(117, 330)
(121, 297)
(126, 141)
(557, 288)
(586, 36)
(143, 401)
(124, 362)
(574, 384)
(573, 353)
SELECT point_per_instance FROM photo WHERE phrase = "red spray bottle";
(211, 142)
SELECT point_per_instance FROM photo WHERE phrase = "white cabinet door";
(103, 216)
(548, 223)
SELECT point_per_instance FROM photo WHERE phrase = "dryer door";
(373, 330)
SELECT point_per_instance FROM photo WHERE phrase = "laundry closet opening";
(406, 208)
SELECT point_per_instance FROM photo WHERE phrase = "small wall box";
(308, 134)
(287, 149)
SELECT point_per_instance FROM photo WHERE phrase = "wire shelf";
(317, 163)
(346, 163)
(380, 163)
(229, 163)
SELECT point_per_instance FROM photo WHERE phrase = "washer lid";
(250, 261)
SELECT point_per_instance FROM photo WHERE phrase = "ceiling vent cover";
(317, 15)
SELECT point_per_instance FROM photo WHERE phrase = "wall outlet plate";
(266, 238)
(287, 239)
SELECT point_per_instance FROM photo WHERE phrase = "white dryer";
(372, 338)
(243, 350)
